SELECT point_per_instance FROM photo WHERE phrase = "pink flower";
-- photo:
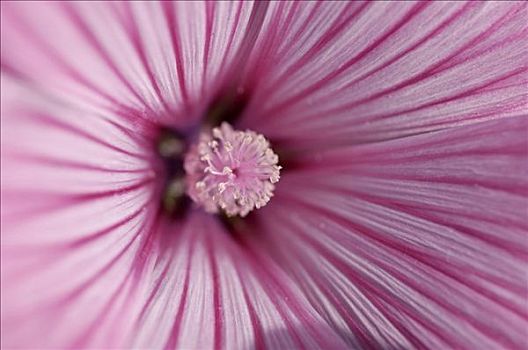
(399, 220)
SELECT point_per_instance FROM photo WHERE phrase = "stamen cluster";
(231, 170)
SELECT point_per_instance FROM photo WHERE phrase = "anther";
(249, 171)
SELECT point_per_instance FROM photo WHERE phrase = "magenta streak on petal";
(218, 316)
(457, 58)
(173, 339)
(519, 251)
(150, 226)
(313, 270)
(168, 10)
(507, 106)
(68, 296)
(288, 21)
(310, 17)
(77, 243)
(434, 32)
(367, 285)
(362, 283)
(143, 131)
(255, 321)
(370, 285)
(421, 213)
(470, 92)
(81, 197)
(210, 7)
(419, 7)
(62, 200)
(72, 164)
(60, 63)
(153, 294)
(162, 227)
(270, 37)
(232, 34)
(96, 323)
(270, 286)
(513, 143)
(350, 321)
(340, 24)
(490, 114)
(424, 291)
(404, 157)
(513, 188)
(239, 65)
(128, 22)
(275, 290)
(150, 237)
(82, 287)
(347, 316)
(98, 47)
(305, 24)
(49, 120)
(437, 68)
(91, 238)
(512, 248)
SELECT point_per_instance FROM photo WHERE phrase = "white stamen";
(249, 170)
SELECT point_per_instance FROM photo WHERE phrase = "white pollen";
(247, 139)
(228, 146)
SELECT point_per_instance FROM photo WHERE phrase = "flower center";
(170, 146)
(231, 170)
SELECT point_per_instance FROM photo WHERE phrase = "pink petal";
(205, 291)
(77, 194)
(385, 69)
(160, 60)
(418, 242)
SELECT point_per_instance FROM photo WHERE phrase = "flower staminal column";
(231, 170)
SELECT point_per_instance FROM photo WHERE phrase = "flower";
(399, 220)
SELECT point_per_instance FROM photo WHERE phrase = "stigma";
(231, 171)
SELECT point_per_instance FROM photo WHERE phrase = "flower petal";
(385, 70)
(417, 242)
(76, 198)
(163, 60)
(208, 292)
